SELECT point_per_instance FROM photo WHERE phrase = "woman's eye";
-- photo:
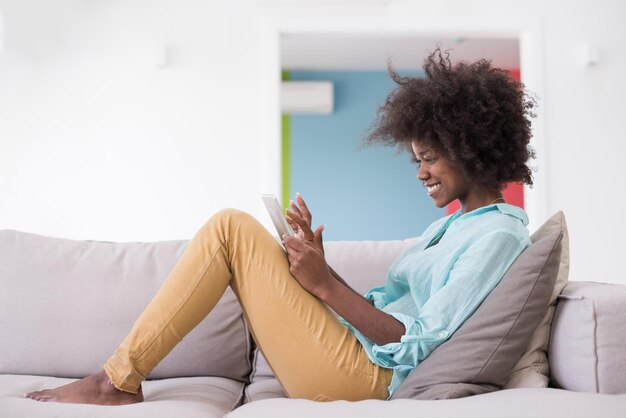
(428, 160)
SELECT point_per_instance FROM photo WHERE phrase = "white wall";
(95, 142)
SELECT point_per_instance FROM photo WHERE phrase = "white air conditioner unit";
(306, 97)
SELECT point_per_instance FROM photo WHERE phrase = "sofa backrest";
(65, 306)
(364, 264)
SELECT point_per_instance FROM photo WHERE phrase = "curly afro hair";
(476, 114)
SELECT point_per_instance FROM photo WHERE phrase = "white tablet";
(277, 215)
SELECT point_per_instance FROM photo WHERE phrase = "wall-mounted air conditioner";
(306, 97)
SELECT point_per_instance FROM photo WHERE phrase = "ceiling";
(368, 52)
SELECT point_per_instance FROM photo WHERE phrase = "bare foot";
(94, 389)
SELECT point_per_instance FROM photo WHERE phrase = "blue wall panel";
(360, 193)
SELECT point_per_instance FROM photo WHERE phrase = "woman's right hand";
(299, 217)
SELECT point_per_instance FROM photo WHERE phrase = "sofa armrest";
(588, 338)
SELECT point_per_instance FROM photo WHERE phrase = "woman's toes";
(39, 395)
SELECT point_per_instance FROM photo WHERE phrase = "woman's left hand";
(307, 265)
(300, 218)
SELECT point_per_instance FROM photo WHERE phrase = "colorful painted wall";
(360, 193)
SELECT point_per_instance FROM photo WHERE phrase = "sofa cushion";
(518, 403)
(588, 339)
(480, 355)
(268, 388)
(189, 397)
(533, 370)
(65, 306)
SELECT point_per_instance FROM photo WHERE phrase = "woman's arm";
(337, 277)
(360, 312)
(310, 269)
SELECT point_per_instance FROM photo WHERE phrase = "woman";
(467, 127)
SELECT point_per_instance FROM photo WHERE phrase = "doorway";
(306, 50)
(364, 193)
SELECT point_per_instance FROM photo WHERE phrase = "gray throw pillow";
(480, 355)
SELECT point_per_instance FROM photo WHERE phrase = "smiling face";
(444, 181)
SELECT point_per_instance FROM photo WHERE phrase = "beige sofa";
(64, 306)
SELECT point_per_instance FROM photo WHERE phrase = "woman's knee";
(228, 224)
(229, 219)
(231, 214)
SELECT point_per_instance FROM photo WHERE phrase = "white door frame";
(528, 31)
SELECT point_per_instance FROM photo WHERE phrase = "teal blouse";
(437, 283)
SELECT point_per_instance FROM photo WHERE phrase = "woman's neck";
(479, 199)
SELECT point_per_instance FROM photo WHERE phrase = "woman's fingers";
(318, 241)
(295, 208)
(293, 244)
(318, 232)
(299, 216)
(295, 218)
(301, 209)
(302, 224)
(304, 209)
(292, 224)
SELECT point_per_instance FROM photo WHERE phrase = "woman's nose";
(422, 174)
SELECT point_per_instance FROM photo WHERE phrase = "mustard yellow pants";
(311, 353)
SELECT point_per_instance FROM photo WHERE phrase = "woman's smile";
(432, 188)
